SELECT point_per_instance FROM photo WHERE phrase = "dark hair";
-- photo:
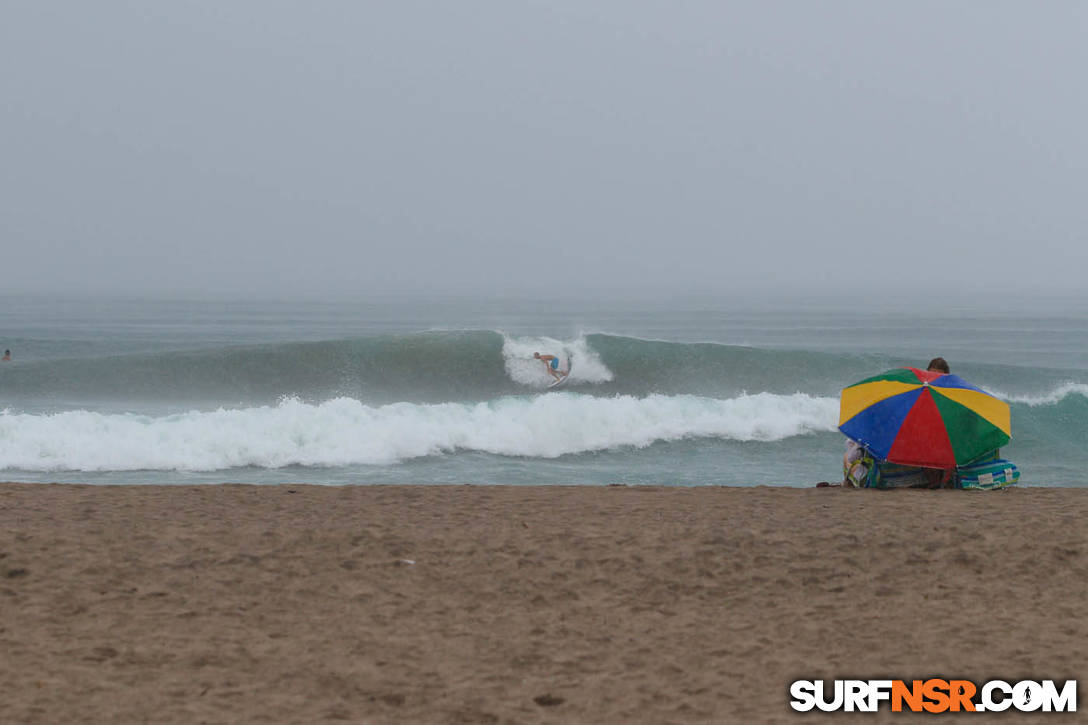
(938, 364)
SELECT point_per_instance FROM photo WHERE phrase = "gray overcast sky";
(263, 147)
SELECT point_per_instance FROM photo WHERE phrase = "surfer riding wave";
(551, 364)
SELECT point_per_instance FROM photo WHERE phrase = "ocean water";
(390, 390)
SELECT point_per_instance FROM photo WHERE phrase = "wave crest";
(1054, 397)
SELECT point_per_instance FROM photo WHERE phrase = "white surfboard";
(564, 375)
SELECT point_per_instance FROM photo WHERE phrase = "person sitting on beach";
(857, 462)
(7, 356)
(551, 364)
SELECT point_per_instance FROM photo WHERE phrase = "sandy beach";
(464, 604)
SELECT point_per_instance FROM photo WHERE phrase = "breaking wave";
(345, 431)
(428, 367)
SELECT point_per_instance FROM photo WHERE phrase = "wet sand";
(462, 604)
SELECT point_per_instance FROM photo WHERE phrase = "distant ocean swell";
(343, 431)
(388, 399)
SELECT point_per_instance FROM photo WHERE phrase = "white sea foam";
(1053, 397)
(524, 369)
(344, 431)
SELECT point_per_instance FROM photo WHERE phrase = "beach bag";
(987, 475)
(856, 472)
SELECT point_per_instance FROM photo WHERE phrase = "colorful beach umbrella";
(920, 418)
